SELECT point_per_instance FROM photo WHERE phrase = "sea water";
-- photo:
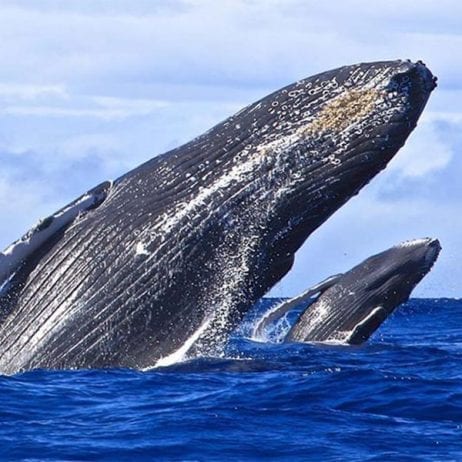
(397, 398)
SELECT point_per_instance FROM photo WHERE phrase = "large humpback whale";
(176, 251)
(351, 306)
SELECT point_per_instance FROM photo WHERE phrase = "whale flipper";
(364, 329)
(22, 256)
(19, 251)
(283, 308)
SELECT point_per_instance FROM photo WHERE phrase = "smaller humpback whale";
(351, 306)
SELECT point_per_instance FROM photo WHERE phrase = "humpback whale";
(172, 254)
(352, 306)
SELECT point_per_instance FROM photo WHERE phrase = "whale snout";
(434, 243)
(423, 252)
(433, 250)
(416, 72)
(427, 79)
(414, 81)
(424, 243)
(375, 110)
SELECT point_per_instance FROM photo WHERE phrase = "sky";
(91, 88)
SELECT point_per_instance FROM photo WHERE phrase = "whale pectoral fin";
(364, 329)
(323, 285)
(23, 255)
(285, 307)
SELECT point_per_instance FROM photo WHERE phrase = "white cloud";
(15, 91)
(424, 154)
(231, 41)
(89, 89)
(106, 109)
(60, 103)
(134, 105)
(453, 118)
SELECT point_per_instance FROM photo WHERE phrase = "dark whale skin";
(354, 307)
(182, 246)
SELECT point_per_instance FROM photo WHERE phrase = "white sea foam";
(180, 354)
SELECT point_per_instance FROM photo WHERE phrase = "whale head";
(332, 133)
(392, 275)
(300, 153)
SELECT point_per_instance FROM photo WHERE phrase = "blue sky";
(91, 88)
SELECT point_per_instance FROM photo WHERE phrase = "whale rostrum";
(169, 257)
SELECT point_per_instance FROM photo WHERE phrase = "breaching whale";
(351, 306)
(173, 253)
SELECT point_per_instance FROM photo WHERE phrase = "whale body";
(171, 255)
(353, 305)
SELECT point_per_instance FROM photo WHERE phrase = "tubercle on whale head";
(351, 123)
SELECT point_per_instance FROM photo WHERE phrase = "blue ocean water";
(398, 398)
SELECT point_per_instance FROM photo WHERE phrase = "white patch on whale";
(12, 257)
(364, 322)
(414, 243)
(140, 249)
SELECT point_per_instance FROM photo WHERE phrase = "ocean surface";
(397, 398)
